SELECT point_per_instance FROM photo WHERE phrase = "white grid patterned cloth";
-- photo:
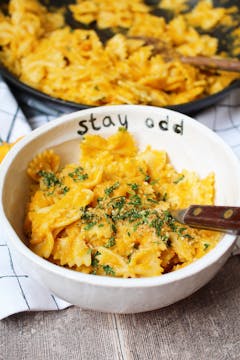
(17, 291)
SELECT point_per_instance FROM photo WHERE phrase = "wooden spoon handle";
(169, 53)
(217, 63)
(222, 218)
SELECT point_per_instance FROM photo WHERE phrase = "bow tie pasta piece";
(109, 263)
(145, 263)
(155, 161)
(55, 217)
(71, 249)
(73, 176)
(94, 148)
(47, 161)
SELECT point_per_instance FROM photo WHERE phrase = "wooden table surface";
(205, 326)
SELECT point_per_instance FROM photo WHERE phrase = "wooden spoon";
(160, 47)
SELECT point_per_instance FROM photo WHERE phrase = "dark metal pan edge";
(64, 105)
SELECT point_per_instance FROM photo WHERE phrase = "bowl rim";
(224, 245)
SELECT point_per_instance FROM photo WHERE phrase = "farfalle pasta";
(110, 213)
(38, 46)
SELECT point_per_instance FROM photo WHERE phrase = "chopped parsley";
(86, 215)
(164, 197)
(108, 191)
(147, 178)
(118, 202)
(111, 242)
(206, 246)
(114, 229)
(78, 174)
(152, 200)
(134, 186)
(65, 189)
(108, 270)
(179, 179)
(132, 210)
(95, 261)
(157, 224)
(49, 178)
(135, 200)
(90, 225)
(188, 236)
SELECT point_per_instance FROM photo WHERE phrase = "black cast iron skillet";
(223, 34)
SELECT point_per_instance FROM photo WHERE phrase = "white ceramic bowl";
(189, 144)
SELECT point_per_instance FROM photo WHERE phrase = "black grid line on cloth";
(12, 124)
(233, 124)
(55, 302)
(17, 278)
(3, 244)
(12, 114)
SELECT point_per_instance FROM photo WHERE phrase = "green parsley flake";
(78, 175)
(157, 224)
(95, 261)
(188, 236)
(111, 242)
(206, 246)
(147, 178)
(118, 202)
(86, 215)
(65, 189)
(108, 270)
(90, 225)
(49, 178)
(152, 200)
(135, 200)
(134, 186)
(114, 229)
(164, 198)
(179, 179)
(109, 191)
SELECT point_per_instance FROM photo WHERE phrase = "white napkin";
(17, 291)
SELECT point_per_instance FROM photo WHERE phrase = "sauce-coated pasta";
(110, 214)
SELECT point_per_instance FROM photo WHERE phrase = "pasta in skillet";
(110, 214)
(39, 48)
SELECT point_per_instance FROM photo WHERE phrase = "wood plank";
(203, 326)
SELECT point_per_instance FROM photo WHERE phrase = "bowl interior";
(189, 144)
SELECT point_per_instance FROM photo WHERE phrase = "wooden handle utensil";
(169, 54)
(220, 218)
